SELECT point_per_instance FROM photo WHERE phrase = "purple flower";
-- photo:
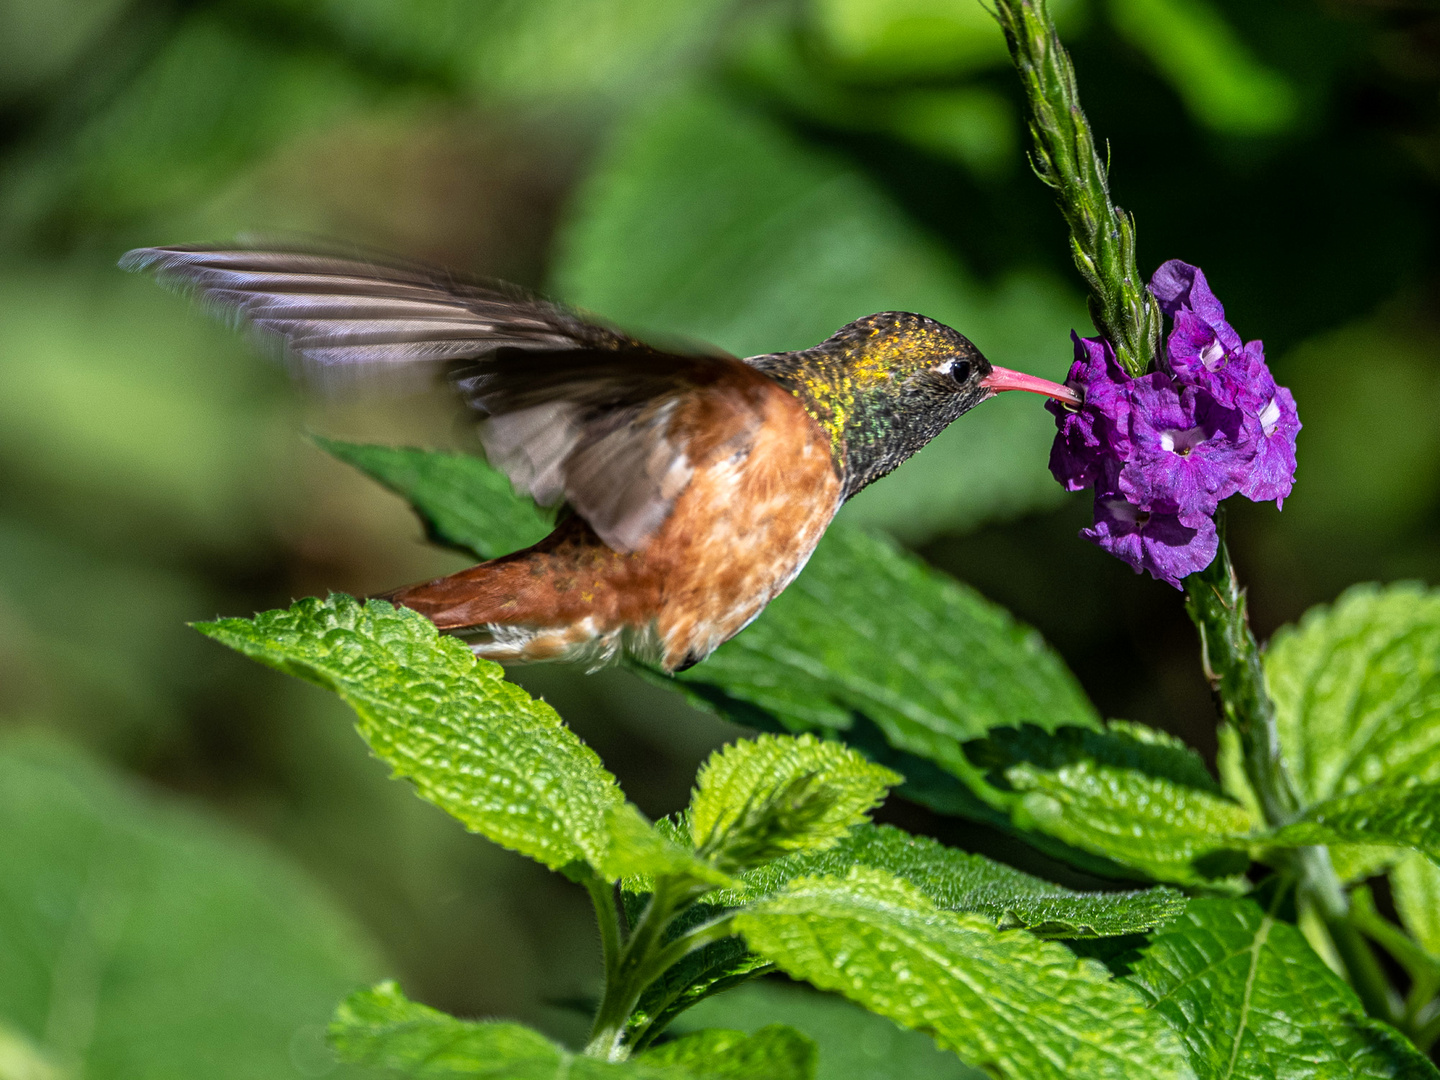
(1271, 432)
(1186, 451)
(1179, 286)
(1099, 429)
(1151, 540)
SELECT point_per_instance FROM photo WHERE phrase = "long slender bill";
(1004, 379)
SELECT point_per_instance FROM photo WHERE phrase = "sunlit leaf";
(1251, 999)
(1005, 1000)
(775, 1052)
(1393, 813)
(477, 746)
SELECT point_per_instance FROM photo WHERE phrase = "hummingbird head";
(885, 385)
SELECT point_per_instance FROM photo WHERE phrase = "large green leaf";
(1357, 690)
(871, 632)
(707, 220)
(462, 501)
(1251, 999)
(477, 746)
(1017, 1006)
(140, 938)
(758, 799)
(854, 1044)
(958, 881)
(1395, 813)
(381, 1027)
(1415, 884)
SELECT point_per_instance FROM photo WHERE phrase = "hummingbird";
(698, 483)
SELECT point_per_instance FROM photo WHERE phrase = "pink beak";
(1004, 379)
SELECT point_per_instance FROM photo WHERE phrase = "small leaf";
(639, 852)
(775, 1052)
(475, 745)
(1415, 884)
(1015, 1005)
(1251, 999)
(462, 501)
(758, 799)
(869, 631)
(956, 881)
(1395, 813)
(1357, 690)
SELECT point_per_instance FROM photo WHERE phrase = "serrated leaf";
(639, 852)
(1251, 999)
(475, 745)
(758, 799)
(381, 1027)
(775, 1052)
(462, 501)
(1170, 832)
(871, 631)
(957, 881)
(1395, 813)
(1015, 1005)
(1415, 885)
(1357, 690)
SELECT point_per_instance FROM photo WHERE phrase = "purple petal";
(1157, 542)
(1098, 430)
(1178, 285)
(1270, 474)
(1187, 452)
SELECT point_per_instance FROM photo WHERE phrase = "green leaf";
(775, 1052)
(1357, 690)
(709, 220)
(1415, 885)
(957, 881)
(758, 799)
(853, 1044)
(1212, 70)
(1251, 999)
(1396, 813)
(462, 501)
(473, 744)
(871, 632)
(639, 853)
(1018, 1006)
(141, 937)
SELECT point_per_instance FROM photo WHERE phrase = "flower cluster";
(1163, 449)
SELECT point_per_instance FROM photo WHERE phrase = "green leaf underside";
(637, 850)
(1169, 831)
(473, 744)
(1015, 1005)
(957, 881)
(775, 1052)
(380, 1027)
(1395, 813)
(139, 937)
(1251, 999)
(462, 501)
(1357, 690)
(869, 630)
(758, 799)
(1415, 885)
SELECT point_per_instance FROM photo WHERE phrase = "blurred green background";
(196, 855)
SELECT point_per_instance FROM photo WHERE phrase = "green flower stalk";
(1102, 236)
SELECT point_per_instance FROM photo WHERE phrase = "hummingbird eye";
(960, 371)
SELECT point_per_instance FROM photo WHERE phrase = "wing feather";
(569, 408)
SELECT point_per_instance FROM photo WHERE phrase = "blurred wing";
(570, 409)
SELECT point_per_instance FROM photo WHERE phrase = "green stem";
(607, 918)
(1102, 236)
(623, 985)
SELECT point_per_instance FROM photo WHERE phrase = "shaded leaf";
(1396, 813)
(462, 501)
(1251, 999)
(1016, 1005)
(475, 745)
(853, 1044)
(956, 881)
(775, 1052)
(140, 937)
(1415, 885)
(758, 799)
